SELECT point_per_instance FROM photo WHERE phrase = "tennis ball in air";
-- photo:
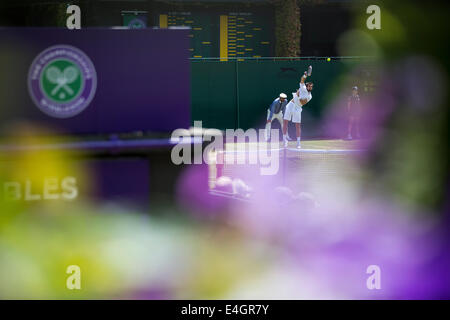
(328, 59)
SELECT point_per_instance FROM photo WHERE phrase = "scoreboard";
(224, 33)
(248, 35)
(203, 30)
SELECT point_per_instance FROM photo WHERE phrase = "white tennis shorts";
(293, 113)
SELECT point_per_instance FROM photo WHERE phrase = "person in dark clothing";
(354, 114)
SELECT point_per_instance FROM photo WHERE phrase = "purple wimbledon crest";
(62, 81)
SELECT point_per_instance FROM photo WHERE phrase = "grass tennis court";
(330, 144)
(317, 162)
(325, 145)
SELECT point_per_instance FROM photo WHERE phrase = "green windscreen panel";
(240, 97)
(214, 94)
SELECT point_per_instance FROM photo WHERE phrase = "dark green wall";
(234, 94)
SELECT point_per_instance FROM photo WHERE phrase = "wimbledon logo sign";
(62, 81)
(136, 24)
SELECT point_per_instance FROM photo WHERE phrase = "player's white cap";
(282, 95)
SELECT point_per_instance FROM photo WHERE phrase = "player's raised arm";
(306, 74)
(302, 80)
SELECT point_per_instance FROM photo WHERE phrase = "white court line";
(335, 151)
(228, 195)
(248, 151)
(325, 150)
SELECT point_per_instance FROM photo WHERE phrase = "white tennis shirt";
(304, 94)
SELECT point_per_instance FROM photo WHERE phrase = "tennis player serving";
(294, 108)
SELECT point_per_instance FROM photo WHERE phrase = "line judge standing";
(276, 111)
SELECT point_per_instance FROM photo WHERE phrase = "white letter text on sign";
(74, 280)
(74, 20)
(374, 281)
(374, 21)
